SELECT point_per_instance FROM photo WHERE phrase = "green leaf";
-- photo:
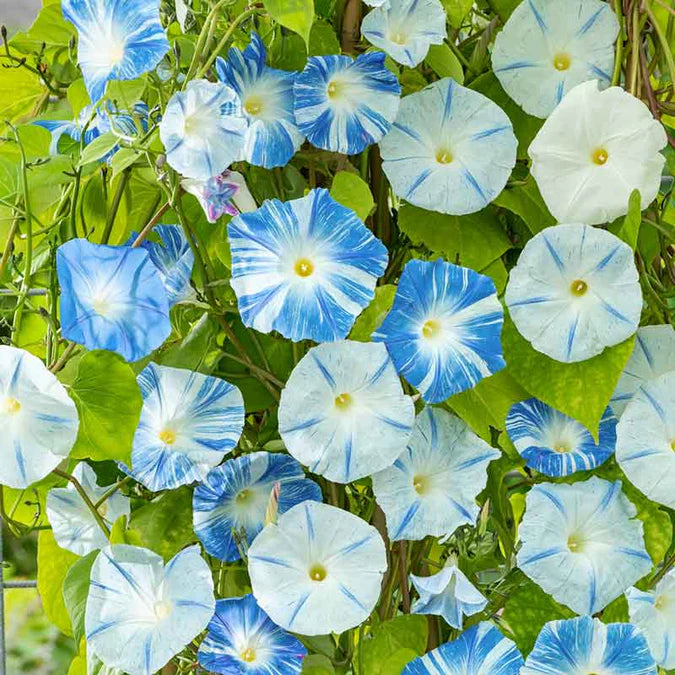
(123, 159)
(442, 60)
(121, 534)
(75, 590)
(526, 201)
(373, 315)
(352, 191)
(631, 223)
(49, 28)
(197, 350)
(322, 40)
(297, 15)
(98, 148)
(317, 664)
(19, 92)
(78, 97)
(125, 93)
(457, 11)
(504, 8)
(616, 611)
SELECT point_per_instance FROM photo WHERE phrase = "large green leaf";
(630, 228)
(19, 92)
(442, 60)
(373, 315)
(350, 190)
(526, 201)
(298, 15)
(457, 11)
(75, 590)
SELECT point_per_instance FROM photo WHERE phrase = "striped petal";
(220, 195)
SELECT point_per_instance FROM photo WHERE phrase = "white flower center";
(11, 406)
(113, 51)
(398, 37)
(661, 602)
(162, 609)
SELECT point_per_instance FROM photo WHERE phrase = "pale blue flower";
(318, 570)
(38, 419)
(141, 612)
(243, 640)
(431, 488)
(443, 331)
(118, 39)
(305, 268)
(344, 104)
(219, 195)
(235, 495)
(343, 412)
(582, 543)
(586, 645)
(574, 291)
(451, 149)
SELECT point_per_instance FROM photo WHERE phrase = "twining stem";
(85, 498)
(111, 491)
(148, 228)
(55, 367)
(403, 570)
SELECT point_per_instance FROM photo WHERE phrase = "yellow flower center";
(578, 287)
(243, 496)
(335, 89)
(599, 156)
(162, 609)
(444, 157)
(343, 401)
(101, 306)
(304, 267)
(421, 484)
(399, 38)
(248, 655)
(167, 436)
(562, 447)
(317, 572)
(661, 602)
(253, 105)
(12, 406)
(672, 445)
(575, 543)
(562, 61)
(431, 328)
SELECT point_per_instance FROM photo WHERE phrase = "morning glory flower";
(189, 423)
(479, 650)
(451, 149)
(73, 524)
(405, 29)
(234, 497)
(547, 47)
(444, 330)
(226, 193)
(305, 268)
(555, 444)
(266, 95)
(431, 488)
(343, 412)
(645, 440)
(141, 612)
(203, 129)
(582, 543)
(586, 645)
(118, 39)
(318, 570)
(112, 297)
(243, 640)
(38, 419)
(344, 104)
(574, 291)
(593, 151)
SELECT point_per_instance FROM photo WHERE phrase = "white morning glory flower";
(645, 440)
(73, 524)
(305, 268)
(653, 355)
(574, 291)
(443, 331)
(266, 96)
(234, 497)
(593, 151)
(555, 444)
(318, 570)
(38, 419)
(451, 149)
(343, 412)
(405, 29)
(141, 612)
(547, 47)
(586, 645)
(243, 640)
(189, 422)
(203, 129)
(582, 543)
(344, 104)
(226, 193)
(118, 39)
(431, 488)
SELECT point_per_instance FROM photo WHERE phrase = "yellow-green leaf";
(297, 15)
(352, 191)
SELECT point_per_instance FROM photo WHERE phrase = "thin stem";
(667, 566)
(9, 244)
(113, 489)
(64, 357)
(667, 52)
(256, 369)
(618, 60)
(114, 207)
(148, 228)
(403, 571)
(85, 498)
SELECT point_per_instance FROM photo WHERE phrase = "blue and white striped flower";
(653, 355)
(443, 332)
(266, 95)
(555, 444)
(318, 570)
(405, 29)
(73, 524)
(112, 297)
(344, 104)
(431, 488)
(451, 149)
(479, 650)
(645, 440)
(547, 47)
(234, 498)
(141, 612)
(223, 194)
(586, 645)
(189, 423)
(305, 268)
(581, 543)
(343, 412)
(38, 419)
(243, 640)
(574, 291)
(203, 129)
(118, 39)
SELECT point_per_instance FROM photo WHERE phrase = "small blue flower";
(266, 96)
(112, 297)
(223, 194)
(243, 640)
(305, 268)
(344, 104)
(444, 330)
(235, 495)
(118, 39)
